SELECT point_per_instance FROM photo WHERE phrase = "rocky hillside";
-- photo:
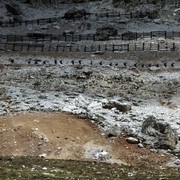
(133, 91)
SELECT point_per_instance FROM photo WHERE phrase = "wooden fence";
(39, 37)
(26, 47)
(86, 16)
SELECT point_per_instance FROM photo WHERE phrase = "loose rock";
(120, 107)
(132, 140)
(75, 13)
(160, 133)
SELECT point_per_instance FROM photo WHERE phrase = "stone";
(120, 107)
(2, 90)
(104, 32)
(68, 32)
(160, 133)
(148, 13)
(75, 13)
(101, 155)
(177, 162)
(44, 155)
(140, 145)
(17, 18)
(132, 140)
(14, 9)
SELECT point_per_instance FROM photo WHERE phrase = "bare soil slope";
(64, 136)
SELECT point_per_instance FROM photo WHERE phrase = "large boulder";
(159, 133)
(14, 9)
(75, 13)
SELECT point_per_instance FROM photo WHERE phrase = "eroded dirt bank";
(65, 136)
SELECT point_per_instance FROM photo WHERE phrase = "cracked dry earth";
(65, 136)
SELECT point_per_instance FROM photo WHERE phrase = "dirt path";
(64, 136)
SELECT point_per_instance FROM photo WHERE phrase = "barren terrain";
(91, 106)
(64, 136)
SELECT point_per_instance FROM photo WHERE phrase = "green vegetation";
(37, 168)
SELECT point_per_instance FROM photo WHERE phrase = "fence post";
(34, 47)
(4, 46)
(51, 38)
(143, 46)
(174, 47)
(28, 47)
(165, 34)
(173, 34)
(42, 49)
(72, 37)
(13, 47)
(77, 49)
(21, 47)
(49, 48)
(128, 47)
(91, 48)
(94, 37)
(113, 47)
(105, 47)
(57, 47)
(151, 35)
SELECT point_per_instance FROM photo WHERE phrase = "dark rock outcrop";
(75, 13)
(14, 9)
(150, 14)
(160, 133)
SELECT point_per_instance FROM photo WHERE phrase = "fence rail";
(175, 3)
(38, 37)
(86, 16)
(26, 47)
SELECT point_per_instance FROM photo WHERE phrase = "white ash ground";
(22, 96)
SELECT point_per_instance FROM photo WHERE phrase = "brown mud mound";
(64, 136)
